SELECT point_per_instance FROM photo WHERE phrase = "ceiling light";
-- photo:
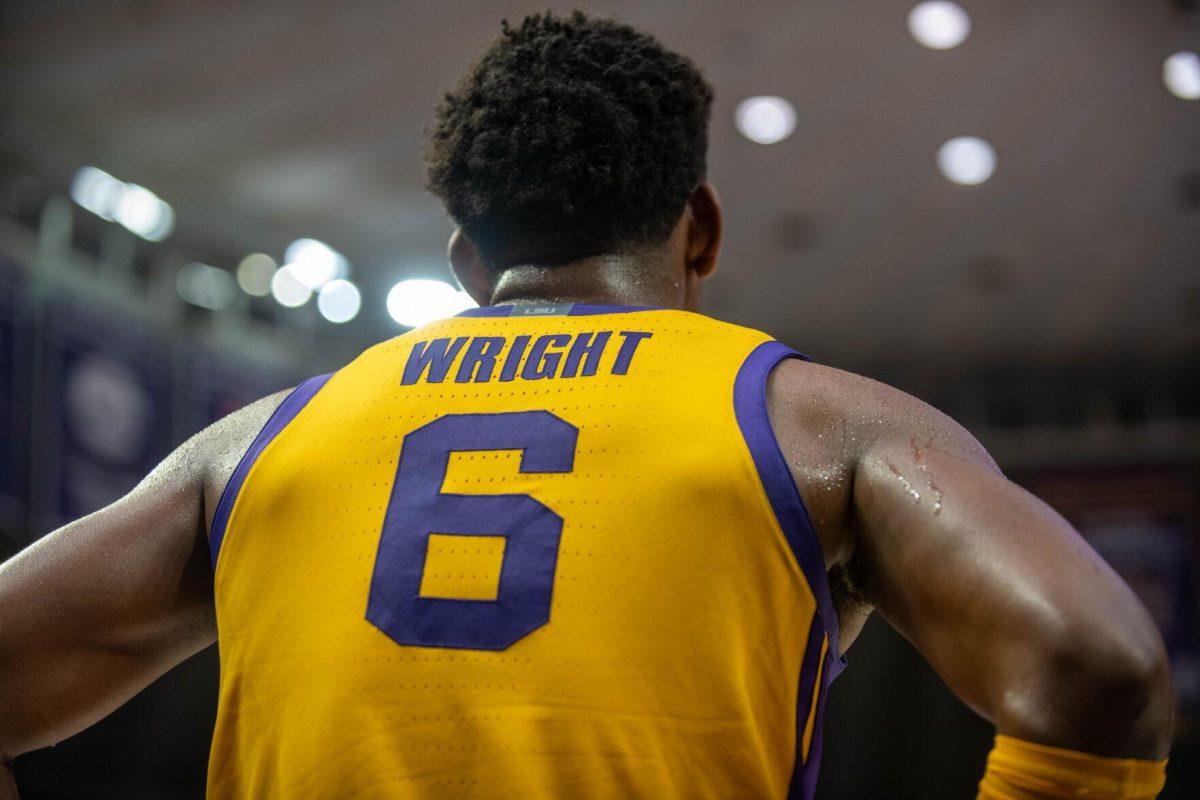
(765, 119)
(339, 301)
(938, 24)
(254, 274)
(418, 301)
(205, 286)
(315, 263)
(135, 207)
(967, 160)
(144, 213)
(288, 290)
(1181, 74)
(97, 191)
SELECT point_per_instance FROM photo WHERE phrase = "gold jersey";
(526, 552)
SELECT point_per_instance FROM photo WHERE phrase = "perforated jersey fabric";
(523, 553)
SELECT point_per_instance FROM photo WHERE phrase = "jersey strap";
(750, 408)
(821, 661)
(285, 413)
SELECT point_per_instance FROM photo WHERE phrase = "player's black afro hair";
(569, 137)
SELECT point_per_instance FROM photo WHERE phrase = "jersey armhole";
(750, 408)
(279, 419)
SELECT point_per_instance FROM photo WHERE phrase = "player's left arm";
(1012, 608)
(93, 612)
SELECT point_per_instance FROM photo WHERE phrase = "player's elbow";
(1132, 676)
(1105, 689)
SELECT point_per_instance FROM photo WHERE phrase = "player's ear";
(704, 230)
(468, 266)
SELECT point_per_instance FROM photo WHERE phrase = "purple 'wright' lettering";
(587, 348)
(509, 371)
(628, 347)
(436, 356)
(543, 364)
(480, 359)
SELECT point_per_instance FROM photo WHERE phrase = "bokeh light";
(97, 191)
(205, 286)
(136, 208)
(254, 274)
(417, 301)
(339, 300)
(287, 289)
(315, 263)
(765, 119)
(939, 25)
(1181, 74)
(967, 160)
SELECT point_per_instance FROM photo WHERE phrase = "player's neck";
(603, 280)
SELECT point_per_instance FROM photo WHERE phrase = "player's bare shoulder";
(833, 427)
(827, 420)
(219, 447)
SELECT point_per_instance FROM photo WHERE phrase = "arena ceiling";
(263, 122)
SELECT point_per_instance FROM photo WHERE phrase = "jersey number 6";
(418, 507)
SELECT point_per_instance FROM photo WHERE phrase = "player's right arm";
(93, 612)
(1016, 613)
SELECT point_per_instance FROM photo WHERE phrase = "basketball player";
(581, 541)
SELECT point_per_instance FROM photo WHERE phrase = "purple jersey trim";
(799, 788)
(569, 310)
(750, 408)
(285, 413)
(808, 781)
(486, 311)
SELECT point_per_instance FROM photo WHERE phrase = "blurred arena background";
(993, 205)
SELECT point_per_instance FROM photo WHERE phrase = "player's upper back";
(528, 551)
